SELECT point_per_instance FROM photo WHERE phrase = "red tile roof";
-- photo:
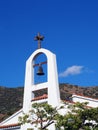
(10, 125)
(45, 96)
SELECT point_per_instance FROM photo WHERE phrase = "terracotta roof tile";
(10, 125)
(45, 96)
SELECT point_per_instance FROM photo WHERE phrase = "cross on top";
(39, 38)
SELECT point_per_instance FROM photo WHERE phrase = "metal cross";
(39, 38)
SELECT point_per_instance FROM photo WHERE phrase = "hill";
(11, 99)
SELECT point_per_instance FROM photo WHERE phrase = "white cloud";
(73, 70)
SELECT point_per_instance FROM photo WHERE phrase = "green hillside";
(11, 99)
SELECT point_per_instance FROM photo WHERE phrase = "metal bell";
(40, 71)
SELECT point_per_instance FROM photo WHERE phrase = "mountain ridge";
(11, 99)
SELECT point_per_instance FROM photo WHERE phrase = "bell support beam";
(41, 63)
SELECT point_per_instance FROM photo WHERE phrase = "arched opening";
(40, 68)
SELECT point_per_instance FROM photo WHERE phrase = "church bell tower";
(46, 90)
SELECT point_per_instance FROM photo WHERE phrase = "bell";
(40, 71)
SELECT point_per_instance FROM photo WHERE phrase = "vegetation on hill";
(11, 99)
(67, 90)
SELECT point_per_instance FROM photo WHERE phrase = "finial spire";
(39, 38)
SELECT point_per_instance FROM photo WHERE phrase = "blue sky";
(70, 28)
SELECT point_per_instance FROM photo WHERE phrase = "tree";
(79, 117)
(41, 114)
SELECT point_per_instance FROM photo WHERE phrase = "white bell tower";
(50, 87)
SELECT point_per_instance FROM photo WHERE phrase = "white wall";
(91, 102)
(12, 119)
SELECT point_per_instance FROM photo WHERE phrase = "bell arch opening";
(40, 68)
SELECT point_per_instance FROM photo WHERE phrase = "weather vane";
(39, 38)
